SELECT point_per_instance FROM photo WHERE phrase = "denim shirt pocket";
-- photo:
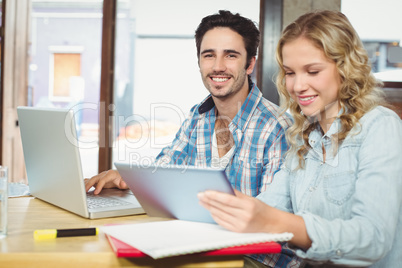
(339, 187)
(339, 179)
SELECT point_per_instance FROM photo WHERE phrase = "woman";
(340, 189)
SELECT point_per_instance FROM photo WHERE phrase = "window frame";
(107, 85)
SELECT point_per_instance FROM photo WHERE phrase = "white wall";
(375, 19)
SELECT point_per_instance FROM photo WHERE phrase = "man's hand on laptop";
(106, 179)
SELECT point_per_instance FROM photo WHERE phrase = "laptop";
(171, 191)
(53, 166)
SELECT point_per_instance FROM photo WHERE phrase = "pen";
(53, 233)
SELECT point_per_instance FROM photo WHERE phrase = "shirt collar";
(206, 105)
(246, 111)
(316, 135)
(336, 125)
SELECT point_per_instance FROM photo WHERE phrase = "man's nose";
(219, 64)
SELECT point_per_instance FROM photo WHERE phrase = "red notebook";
(123, 250)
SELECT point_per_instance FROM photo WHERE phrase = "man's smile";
(220, 79)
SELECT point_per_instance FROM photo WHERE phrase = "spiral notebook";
(176, 237)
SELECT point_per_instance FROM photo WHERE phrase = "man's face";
(223, 60)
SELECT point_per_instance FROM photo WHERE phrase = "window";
(64, 74)
(377, 23)
(156, 74)
(65, 65)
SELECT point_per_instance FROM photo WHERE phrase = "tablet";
(171, 191)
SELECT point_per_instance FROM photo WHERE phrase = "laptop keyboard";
(96, 201)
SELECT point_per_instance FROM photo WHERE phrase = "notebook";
(53, 166)
(162, 239)
(124, 250)
(171, 191)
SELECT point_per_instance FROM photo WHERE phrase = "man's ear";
(251, 66)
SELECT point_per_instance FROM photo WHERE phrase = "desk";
(27, 214)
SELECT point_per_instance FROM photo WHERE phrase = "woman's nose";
(300, 83)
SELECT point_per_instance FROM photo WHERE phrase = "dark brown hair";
(241, 25)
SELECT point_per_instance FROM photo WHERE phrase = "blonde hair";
(359, 92)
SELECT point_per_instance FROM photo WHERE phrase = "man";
(234, 127)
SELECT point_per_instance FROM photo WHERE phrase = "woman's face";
(312, 80)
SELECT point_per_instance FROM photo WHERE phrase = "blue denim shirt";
(352, 202)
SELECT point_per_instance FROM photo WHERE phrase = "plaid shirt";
(258, 130)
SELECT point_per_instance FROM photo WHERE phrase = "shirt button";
(339, 253)
(311, 188)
